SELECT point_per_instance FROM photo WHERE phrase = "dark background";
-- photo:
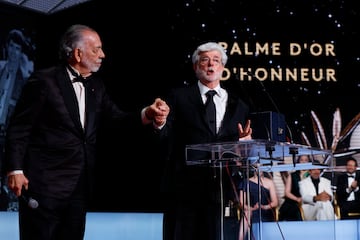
(148, 47)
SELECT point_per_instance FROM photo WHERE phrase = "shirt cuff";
(15, 172)
(144, 119)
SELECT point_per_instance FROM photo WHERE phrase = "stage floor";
(309, 230)
(148, 226)
(101, 226)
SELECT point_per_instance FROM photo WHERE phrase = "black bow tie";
(78, 77)
(351, 176)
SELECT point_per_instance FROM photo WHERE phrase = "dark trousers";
(54, 219)
(194, 224)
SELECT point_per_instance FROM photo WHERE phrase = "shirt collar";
(204, 89)
(72, 75)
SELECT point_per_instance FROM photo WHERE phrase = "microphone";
(32, 203)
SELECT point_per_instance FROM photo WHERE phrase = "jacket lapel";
(196, 100)
(69, 96)
(229, 112)
(90, 106)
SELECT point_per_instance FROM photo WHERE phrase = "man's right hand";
(16, 182)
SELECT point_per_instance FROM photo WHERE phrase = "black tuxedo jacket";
(45, 137)
(342, 184)
(187, 125)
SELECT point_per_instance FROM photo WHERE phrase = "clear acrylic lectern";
(262, 155)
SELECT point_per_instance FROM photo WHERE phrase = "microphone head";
(33, 203)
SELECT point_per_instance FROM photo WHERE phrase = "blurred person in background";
(253, 211)
(347, 191)
(290, 209)
(317, 196)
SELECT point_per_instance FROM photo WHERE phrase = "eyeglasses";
(206, 60)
